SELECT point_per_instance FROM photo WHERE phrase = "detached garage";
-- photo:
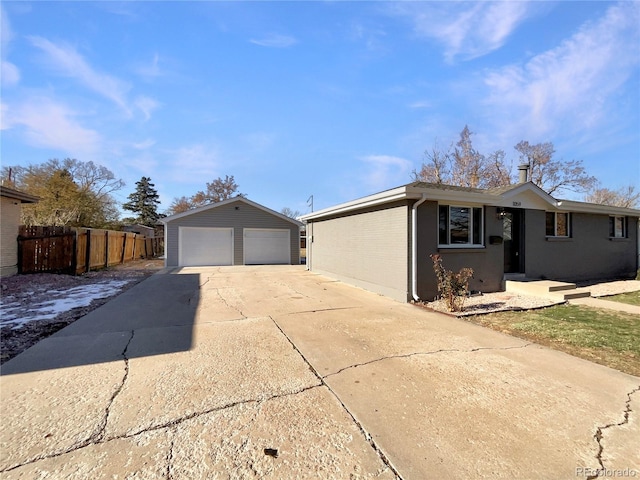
(236, 231)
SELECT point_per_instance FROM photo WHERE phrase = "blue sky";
(332, 99)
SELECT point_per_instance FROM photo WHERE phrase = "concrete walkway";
(606, 304)
(274, 372)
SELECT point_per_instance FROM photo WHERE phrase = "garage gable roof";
(228, 202)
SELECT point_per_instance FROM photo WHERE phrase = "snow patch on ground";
(13, 314)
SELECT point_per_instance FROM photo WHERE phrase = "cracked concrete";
(413, 354)
(194, 373)
(623, 452)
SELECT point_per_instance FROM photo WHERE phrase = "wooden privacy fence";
(78, 250)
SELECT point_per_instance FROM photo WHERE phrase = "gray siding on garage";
(239, 215)
(367, 249)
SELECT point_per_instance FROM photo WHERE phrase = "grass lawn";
(632, 298)
(603, 336)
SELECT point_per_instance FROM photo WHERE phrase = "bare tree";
(467, 164)
(286, 211)
(217, 191)
(554, 175)
(496, 172)
(435, 169)
(627, 197)
(463, 165)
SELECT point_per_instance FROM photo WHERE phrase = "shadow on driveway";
(105, 334)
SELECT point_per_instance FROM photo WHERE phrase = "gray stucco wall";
(367, 249)
(226, 216)
(589, 254)
(487, 263)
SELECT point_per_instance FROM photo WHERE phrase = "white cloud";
(571, 86)
(275, 40)
(70, 63)
(467, 30)
(145, 144)
(48, 124)
(384, 171)
(421, 104)
(152, 69)
(147, 105)
(9, 73)
(194, 164)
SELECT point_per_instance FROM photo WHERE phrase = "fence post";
(106, 248)
(133, 253)
(87, 266)
(20, 254)
(74, 255)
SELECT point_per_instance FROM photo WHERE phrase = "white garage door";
(267, 246)
(205, 246)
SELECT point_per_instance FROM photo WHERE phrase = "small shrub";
(452, 287)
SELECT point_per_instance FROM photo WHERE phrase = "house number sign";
(517, 204)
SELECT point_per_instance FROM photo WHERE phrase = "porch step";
(547, 288)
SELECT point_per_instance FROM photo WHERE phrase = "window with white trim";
(617, 227)
(460, 225)
(558, 224)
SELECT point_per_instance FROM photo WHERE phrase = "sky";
(335, 100)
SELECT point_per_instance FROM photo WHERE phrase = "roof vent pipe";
(523, 173)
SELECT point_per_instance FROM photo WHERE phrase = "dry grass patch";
(601, 336)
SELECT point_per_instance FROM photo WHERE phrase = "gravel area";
(32, 307)
(502, 301)
(493, 302)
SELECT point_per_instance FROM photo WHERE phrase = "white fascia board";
(583, 207)
(387, 196)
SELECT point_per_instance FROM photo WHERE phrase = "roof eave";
(18, 195)
(583, 207)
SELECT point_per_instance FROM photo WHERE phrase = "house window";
(459, 225)
(617, 227)
(557, 224)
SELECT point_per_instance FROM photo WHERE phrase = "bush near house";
(452, 287)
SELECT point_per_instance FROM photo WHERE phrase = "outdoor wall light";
(500, 213)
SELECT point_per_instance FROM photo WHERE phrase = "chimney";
(523, 173)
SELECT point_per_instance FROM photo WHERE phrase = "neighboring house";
(148, 232)
(236, 231)
(383, 242)
(10, 209)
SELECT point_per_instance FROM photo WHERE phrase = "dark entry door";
(512, 232)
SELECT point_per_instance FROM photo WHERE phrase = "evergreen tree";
(144, 201)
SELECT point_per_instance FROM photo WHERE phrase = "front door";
(512, 233)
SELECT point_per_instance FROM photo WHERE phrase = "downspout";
(414, 247)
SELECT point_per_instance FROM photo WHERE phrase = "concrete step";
(546, 288)
(571, 294)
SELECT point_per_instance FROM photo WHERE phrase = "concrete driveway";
(276, 372)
